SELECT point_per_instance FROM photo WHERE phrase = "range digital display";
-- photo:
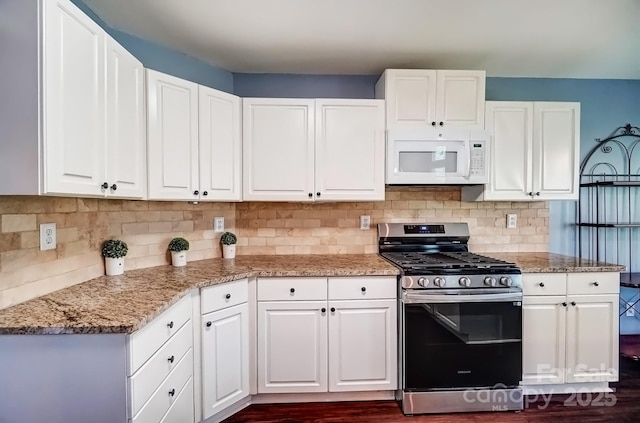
(423, 229)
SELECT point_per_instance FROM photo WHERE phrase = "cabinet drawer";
(362, 287)
(145, 342)
(147, 379)
(544, 284)
(214, 298)
(182, 409)
(593, 283)
(167, 393)
(290, 289)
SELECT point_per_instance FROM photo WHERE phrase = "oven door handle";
(461, 298)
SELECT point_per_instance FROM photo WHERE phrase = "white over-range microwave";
(437, 156)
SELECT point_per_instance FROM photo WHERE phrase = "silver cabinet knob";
(464, 281)
(423, 282)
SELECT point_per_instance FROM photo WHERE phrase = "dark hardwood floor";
(560, 408)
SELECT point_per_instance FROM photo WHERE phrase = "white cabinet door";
(349, 150)
(592, 338)
(278, 149)
(362, 345)
(292, 346)
(460, 98)
(534, 152)
(74, 101)
(219, 145)
(125, 140)
(510, 126)
(225, 358)
(543, 339)
(172, 145)
(417, 98)
(556, 150)
(410, 95)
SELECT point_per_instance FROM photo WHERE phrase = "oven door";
(454, 339)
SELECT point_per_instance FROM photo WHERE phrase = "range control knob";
(464, 281)
(423, 282)
(489, 281)
(505, 281)
(439, 281)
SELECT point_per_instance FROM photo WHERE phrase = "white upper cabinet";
(278, 149)
(220, 145)
(349, 145)
(313, 150)
(193, 141)
(126, 136)
(172, 121)
(420, 97)
(73, 116)
(74, 101)
(556, 150)
(534, 152)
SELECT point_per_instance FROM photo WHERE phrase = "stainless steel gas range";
(460, 321)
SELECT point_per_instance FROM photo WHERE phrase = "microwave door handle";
(468, 152)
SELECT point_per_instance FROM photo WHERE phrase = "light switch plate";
(218, 224)
(47, 236)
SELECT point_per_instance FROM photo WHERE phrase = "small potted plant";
(114, 251)
(178, 247)
(228, 241)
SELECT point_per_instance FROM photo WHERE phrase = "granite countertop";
(124, 304)
(555, 263)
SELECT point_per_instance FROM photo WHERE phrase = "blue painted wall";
(163, 59)
(304, 86)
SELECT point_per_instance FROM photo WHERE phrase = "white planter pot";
(179, 258)
(114, 266)
(229, 251)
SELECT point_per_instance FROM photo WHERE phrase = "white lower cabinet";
(161, 367)
(319, 335)
(362, 342)
(570, 328)
(292, 346)
(225, 346)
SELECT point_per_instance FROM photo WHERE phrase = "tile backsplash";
(82, 225)
(262, 228)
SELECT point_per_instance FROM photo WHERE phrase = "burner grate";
(417, 260)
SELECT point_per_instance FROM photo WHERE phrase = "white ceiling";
(518, 38)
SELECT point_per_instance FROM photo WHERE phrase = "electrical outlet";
(218, 224)
(47, 236)
(512, 221)
(365, 222)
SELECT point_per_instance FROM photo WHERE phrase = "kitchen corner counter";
(555, 263)
(124, 304)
